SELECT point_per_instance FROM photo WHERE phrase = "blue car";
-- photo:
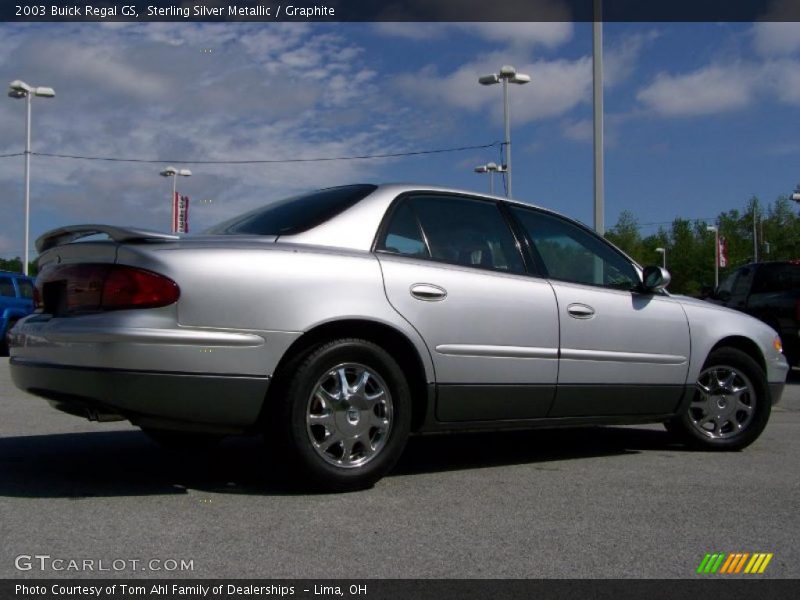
(16, 301)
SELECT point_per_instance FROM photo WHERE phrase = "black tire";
(4, 338)
(311, 417)
(738, 397)
(183, 441)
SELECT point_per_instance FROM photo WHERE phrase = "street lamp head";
(712, 228)
(184, 173)
(507, 71)
(491, 166)
(169, 172)
(481, 169)
(20, 86)
(44, 92)
(520, 78)
(17, 94)
(660, 250)
(489, 79)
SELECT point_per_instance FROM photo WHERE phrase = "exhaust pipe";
(102, 417)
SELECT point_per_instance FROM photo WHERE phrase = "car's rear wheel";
(730, 406)
(346, 415)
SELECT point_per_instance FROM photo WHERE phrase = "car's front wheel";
(346, 415)
(731, 403)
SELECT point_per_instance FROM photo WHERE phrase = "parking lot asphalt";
(599, 502)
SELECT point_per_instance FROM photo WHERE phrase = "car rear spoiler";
(70, 233)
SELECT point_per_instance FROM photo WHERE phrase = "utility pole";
(755, 233)
(597, 95)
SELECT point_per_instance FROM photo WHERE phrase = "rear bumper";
(176, 400)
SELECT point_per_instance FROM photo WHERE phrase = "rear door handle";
(580, 311)
(428, 291)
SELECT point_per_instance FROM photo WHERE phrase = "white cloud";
(622, 54)
(776, 39)
(149, 91)
(782, 78)
(548, 34)
(411, 31)
(721, 88)
(579, 131)
(556, 87)
(706, 91)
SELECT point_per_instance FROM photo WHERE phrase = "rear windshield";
(295, 214)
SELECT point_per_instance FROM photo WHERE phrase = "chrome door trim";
(631, 357)
(496, 351)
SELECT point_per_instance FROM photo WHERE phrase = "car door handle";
(428, 291)
(580, 311)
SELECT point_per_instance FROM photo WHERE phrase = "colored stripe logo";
(736, 562)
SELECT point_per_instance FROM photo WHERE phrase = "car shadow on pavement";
(127, 463)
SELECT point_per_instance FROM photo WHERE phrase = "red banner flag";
(180, 214)
(722, 252)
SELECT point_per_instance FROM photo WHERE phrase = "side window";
(7, 287)
(458, 230)
(570, 253)
(25, 288)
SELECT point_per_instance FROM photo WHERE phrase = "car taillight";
(127, 287)
(71, 289)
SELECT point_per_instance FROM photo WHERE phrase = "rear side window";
(295, 214)
(25, 288)
(777, 278)
(7, 287)
(453, 229)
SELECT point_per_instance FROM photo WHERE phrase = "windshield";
(295, 214)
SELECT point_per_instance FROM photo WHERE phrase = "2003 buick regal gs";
(341, 321)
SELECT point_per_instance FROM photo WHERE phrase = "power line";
(262, 161)
(10, 155)
(698, 219)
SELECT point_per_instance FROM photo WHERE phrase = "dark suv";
(16, 301)
(769, 291)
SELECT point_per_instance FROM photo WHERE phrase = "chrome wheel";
(349, 415)
(724, 404)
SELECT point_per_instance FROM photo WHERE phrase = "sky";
(699, 117)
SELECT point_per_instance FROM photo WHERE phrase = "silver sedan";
(340, 321)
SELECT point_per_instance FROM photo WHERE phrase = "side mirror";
(655, 279)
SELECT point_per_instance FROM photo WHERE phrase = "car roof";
(15, 274)
(400, 188)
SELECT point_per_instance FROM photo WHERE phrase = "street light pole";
(508, 74)
(491, 168)
(20, 89)
(716, 254)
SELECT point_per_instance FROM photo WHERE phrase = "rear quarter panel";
(280, 290)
